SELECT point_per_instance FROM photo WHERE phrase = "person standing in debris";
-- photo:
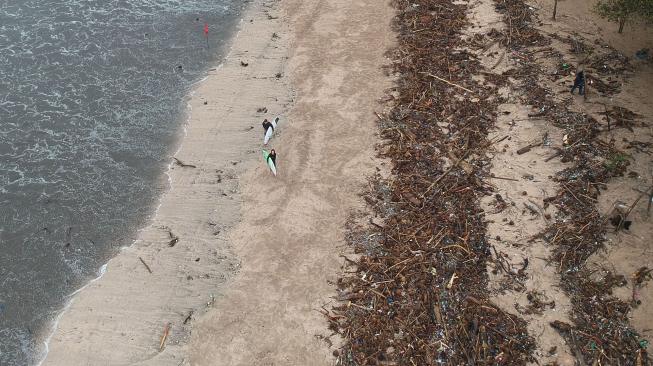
(579, 83)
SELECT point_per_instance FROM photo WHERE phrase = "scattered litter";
(145, 264)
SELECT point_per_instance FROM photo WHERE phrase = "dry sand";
(293, 227)
(242, 284)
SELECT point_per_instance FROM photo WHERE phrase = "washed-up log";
(145, 264)
(528, 148)
(166, 331)
(450, 83)
(182, 164)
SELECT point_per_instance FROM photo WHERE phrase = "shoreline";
(279, 241)
(257, 255)
(52, 326)
(65, 322)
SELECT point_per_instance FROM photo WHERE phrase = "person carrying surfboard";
(273, 157)
(266, 124)
(270, 159)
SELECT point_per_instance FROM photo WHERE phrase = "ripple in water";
(91, 104)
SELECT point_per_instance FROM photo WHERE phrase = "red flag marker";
(206, 34)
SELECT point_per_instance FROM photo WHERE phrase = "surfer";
(266, 124)
(273, 157)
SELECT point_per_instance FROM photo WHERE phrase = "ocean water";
(92, 105)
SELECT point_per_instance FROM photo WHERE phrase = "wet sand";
(243, 283)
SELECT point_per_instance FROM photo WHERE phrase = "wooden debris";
(450, 83)
(182, 164)
(376, 223)
(174, 239)
(409, 283)
(600, 333)
(145, 264)
(166, 331)
(528, 148)
(188, 317)
(630, 209)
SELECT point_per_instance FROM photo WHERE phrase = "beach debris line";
(417, 293)
(620, 117)
(599, 333)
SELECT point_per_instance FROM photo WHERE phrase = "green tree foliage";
(621, 11)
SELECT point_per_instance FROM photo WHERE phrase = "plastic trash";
(642, 54)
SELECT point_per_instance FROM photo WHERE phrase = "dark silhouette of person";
(579, 82)
(266, 124)
(273, 157)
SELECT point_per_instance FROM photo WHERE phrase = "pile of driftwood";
(418, 293)
(619, 117)
(600, 333)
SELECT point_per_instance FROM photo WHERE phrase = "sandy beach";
(120, 318)
(292, 230)
(239, 267)
(235, 262)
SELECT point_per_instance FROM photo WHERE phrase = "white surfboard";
(268, 134)
(270, 131)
